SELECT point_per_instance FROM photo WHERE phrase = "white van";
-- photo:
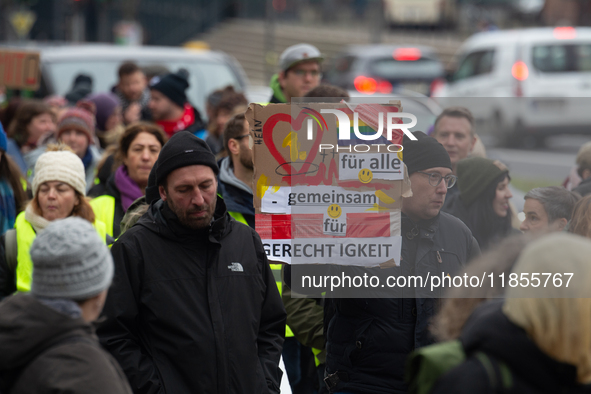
(533, 82)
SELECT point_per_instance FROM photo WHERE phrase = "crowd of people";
(129, 260)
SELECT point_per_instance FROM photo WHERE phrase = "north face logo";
(236, 267)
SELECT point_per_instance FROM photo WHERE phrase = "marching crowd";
(129, 260)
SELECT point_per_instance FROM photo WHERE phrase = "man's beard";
(246, 160)
(194, 223)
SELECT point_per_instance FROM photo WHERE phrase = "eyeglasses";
(435, 179)
(240, 137)
(303, 73)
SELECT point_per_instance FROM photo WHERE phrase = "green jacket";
(305, 317)
(278, 96)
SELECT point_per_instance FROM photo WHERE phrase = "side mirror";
(449, 76)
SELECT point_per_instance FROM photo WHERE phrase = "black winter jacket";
(194, 311)
(47, 352)
(368, 340)
(488, 330)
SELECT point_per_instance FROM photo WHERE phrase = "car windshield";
(562, 58)
(389, 68)
(203, 79)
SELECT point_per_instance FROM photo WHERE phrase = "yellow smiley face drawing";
(334, 211)
(365, 175)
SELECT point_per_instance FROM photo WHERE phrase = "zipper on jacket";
(439, 257)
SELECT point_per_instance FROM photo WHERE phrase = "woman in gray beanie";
(48, 341)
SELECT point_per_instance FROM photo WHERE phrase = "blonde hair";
(82, 210)
(581, 220)
(59, 147)
(448, 323)
(557, 318)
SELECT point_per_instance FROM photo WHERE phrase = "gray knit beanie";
(70, 261)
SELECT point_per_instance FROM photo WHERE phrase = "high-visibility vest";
(276, 268)
(25, 235)
(104, 211)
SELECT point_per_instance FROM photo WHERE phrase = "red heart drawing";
(296, 125)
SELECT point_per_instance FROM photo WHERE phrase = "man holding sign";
(368, 340)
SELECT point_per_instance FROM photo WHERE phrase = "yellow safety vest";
(25, 235)
(104, 211)
(276, 268)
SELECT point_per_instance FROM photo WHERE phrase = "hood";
(227, 176)
(454, 206)
(161, 220)
(27, 327)
(236, 194)
(490, 331)
(277, 91)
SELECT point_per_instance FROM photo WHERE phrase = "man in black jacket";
(194, 307)
(368, 340)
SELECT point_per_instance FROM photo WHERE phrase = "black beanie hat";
(475, 174)
(173, 86)
(182, 149)
(423, 153)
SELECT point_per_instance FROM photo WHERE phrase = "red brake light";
(436, 85)
(406, 54)
(519, 71)
(564, 33)
(365, 85)
(384, 87)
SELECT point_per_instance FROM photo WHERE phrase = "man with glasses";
(236, 171)
(300, 73)
(369, 340)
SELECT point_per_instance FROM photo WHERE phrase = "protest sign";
(326, 191)
(19, 69)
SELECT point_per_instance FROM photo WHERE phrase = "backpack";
(426, 365)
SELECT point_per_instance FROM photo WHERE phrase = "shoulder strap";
(498, 373)
(11, 249)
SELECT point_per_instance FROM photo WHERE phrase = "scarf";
(64, 306)
(87, 159)
(129, 190)
(38, 222)
(172, 126)
(7, 206)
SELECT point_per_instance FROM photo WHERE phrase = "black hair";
(486, 226)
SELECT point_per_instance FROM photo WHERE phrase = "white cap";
(63, 166)
(299, 53)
